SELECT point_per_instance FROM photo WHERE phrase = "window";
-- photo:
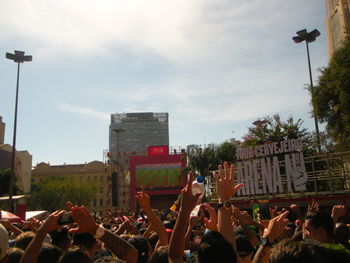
(101, 202)
(94, 202)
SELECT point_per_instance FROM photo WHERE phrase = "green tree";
(199, 159)
(331, 98)
(52, 193)
(226, 152)
(204, 161)
(273, 129)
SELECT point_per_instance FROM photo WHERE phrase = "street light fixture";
(310, 37)
(18, 58)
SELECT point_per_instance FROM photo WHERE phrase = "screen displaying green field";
(158, 175)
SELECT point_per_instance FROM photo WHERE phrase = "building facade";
(130, 134)
(23, 166)
(23, 162)
(337, 23)
(96, 172)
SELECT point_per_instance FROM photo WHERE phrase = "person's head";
(49, 253)
(215, 248)
(153, 239)
(4, 242)
(160, 255)
(109, 259)
(319, 226)
(288, 251)
(140, 243)
(86, 240)
(342, 235)
(244, 247)
(60, 238)
(22, 240)
(14, 255)
(74, 255)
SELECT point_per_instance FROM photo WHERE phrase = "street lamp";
(18, 58)
(310, 37)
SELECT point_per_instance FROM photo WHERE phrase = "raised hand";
(143, 200)
(314, 206)
(276, 226)
(338, 211)
(189, 201)
(211, 223)
(85, 221)
(225, 179)
(51, 223)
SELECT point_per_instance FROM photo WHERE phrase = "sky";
(215, 66)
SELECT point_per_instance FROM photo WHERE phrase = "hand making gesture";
(211, 223)
(225, 182)
(189, 201)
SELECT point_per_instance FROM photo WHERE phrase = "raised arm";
(226, 188)
(177, 240)
(32, 251)
(275, 228)
(337, 212)
(87, 224)
(9, 226)
(192, 223)
(144, 202)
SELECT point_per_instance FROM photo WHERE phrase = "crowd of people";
(217, 233)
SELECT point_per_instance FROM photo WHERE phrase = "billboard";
(159, 175)
(158, 150)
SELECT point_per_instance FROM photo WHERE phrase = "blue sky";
(215, 66)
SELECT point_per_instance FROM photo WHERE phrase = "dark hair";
(153, 239)
(141, 244)
(49, 253)
(160, 255)
(60, 238)
(74, 255)
(288, 251)
(320, 219)
(244, 247)
(342, 235)
(109, 259)
(22, 240)
(84, 239)
(215, 248)
(14, 255)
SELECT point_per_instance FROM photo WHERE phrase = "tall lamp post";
(310, 37)
(18, 58)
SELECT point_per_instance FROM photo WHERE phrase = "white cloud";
(83, 111)
(195, 31)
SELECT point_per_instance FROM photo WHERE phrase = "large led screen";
(158, 175)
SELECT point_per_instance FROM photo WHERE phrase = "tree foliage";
(205, 160)
(331, 97)
(273, 129)
(52, 193)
